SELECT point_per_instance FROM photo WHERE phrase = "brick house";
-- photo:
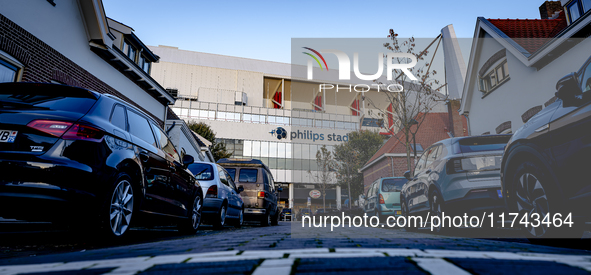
(72, 42)
(390, 159)
(515, 63)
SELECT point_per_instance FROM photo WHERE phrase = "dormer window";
(129, 50)
(144, 64)
(577, 8)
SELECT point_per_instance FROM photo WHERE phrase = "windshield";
(481, 144)
(201, 171)
(33, 100)
(232, 173)
(393, 185)
(248, 175)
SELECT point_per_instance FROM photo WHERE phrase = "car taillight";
(212, 192)
(261, 194)
(382, 199)
(454, 166)
(83, 132)
(67, 130)
(55, 128)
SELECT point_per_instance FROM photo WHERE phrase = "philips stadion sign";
(280, 133)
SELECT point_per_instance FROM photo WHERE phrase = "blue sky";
(263, 29)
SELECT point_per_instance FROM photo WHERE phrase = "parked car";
(222, 198)
(321, 212)
(72, 155)
(545, 164)
(456, 176)
(260, 195)
(383, 197)
(304, 212)
(286, 214)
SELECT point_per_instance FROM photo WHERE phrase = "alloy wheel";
(222, 216)
(121, 208)
(531, 198)
(196, 213)
(436, 211)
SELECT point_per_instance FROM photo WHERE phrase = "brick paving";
(256, 250)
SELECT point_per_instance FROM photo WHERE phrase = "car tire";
(533, 191)
(404, 209)
(238, 223)
(220, 220)
(191, 224)
(275, 218)
(118, 208)
(436, 209)
(266, 219)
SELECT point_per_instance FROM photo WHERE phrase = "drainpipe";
(392, 164)
(468, 123)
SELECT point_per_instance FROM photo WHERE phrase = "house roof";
(435, 127)
(535, 43)
(531, 34)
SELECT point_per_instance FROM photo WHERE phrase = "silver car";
(222, 204)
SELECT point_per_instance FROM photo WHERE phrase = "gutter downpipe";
(468, 123)
(392, 165)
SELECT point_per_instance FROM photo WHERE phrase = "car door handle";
(144, 156)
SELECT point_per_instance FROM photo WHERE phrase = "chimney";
(549, 8)
(457, 123)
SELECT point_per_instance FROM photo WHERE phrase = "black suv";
(544, 167)
(72, 155)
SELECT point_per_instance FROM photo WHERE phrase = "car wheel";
(221, 219)
(275, 218)
(266, 219)
(120, 207)
(191, 224)
(405, 214)
(240, 220)
(436, 211)
(534, 193)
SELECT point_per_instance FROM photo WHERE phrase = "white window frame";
(485, 84)
(12, 61)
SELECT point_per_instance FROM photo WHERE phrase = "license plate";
(8, 136)
(500, 194)
(398, 212)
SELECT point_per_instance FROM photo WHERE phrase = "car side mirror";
(279, 189)
(568, 89)
(240, 189)
(187, 160)
(407, 175)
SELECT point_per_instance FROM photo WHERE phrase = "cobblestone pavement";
(275, 250)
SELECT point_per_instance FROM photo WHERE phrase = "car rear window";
(481, 144)
(248, 175)
(393, 185)
(201, 171)
(232, 173)
(46, 98)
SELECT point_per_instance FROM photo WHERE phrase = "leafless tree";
(326, 173)
(408, 108)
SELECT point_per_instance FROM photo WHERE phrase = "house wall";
(55, 38)
(383, 169)
(42, 63)
(526, 88)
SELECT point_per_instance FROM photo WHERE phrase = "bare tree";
(408, 108)
(326, 174)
